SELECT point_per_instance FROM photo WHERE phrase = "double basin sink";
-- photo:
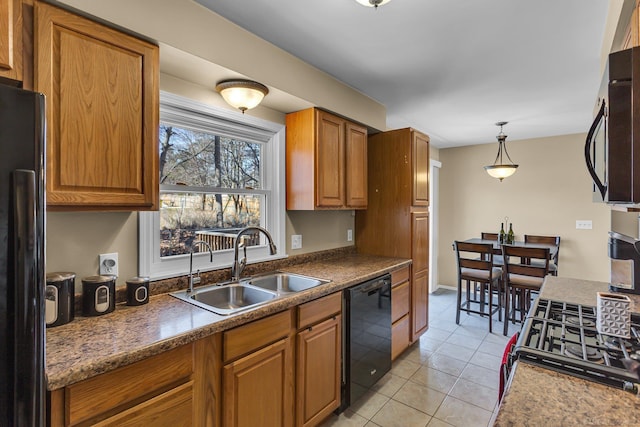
(229, 298)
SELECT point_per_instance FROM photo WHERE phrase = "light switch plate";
(296, 241)
(349, 235)
(584, 225)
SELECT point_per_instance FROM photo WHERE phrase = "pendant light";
(242, 94)
(501, 170)
(373, 3)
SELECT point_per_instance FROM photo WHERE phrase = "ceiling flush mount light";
(242, 94)
(373, 3)
(501, 170)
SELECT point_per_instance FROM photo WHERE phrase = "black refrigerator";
(22, 277)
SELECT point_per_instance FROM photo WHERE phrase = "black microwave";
(612, 148)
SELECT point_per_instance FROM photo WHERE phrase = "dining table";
(497, 246)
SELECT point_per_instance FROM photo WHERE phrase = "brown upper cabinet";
(420, 155)
(326, 162)
(102, 89)
(632, 32)
(11, 66)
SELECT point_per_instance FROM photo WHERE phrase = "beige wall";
(191, 28)
(548, 193)
(75, 239)
(189, 32)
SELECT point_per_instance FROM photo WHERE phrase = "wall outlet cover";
(349, 235)
(109, 263)
(296, 241)
(584, 224)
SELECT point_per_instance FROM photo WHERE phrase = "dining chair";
(475, 265)
(489, 236)
(547, 240)
(497, 259)
(524, 271)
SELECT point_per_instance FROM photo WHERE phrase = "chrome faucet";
(238, 266)
(196, 280)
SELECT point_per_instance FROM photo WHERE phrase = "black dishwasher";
(366, 337)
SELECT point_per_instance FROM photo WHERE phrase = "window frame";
(192, 114)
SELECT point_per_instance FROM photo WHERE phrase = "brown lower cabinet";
(281, 370)
(318, 359)
(400, 312)
(258, 386)
(159, 389)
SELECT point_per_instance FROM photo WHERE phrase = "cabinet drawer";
(320, 309)
(96, 395)
(400, 336)
(247, 338)
(173, 408)
(400, 301)
(399, 276)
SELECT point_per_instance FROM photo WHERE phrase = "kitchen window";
(220, 171)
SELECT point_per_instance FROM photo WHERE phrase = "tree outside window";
(209, 189)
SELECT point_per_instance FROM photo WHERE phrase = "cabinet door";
(400, 336)
(330, 160)
(258, 389)
(318, 374)
(11, 39)
(102, 113)
(400, 301)
(420, 276)
(420, 241)
(632, 38)
(356, 166)
(420, 154)
(420, 305)
(173, 408)
(400, 313)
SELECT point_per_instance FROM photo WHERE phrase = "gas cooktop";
(563, 337)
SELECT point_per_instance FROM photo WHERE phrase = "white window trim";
(149, 261)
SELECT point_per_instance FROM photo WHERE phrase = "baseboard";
(447, 287)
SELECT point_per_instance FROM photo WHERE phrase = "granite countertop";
(538, 396)
(89, 346)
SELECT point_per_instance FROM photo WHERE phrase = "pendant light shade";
(242, 94)
(373, 3)
(499, 169)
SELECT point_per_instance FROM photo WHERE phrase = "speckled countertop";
(89, 346)
(538, 396)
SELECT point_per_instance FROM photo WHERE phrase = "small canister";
(98, 295)
(138, 291)
(59, 298)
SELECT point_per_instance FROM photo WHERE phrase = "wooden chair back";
(538, 269)
(489, 236)
(546, 240)
(475, 256)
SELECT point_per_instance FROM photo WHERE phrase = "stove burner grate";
(563, 337)
(592, 354)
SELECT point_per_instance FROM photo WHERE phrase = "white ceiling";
(449, 68)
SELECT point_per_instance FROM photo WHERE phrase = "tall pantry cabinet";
(396, 222)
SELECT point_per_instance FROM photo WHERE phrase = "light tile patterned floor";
(448, 378)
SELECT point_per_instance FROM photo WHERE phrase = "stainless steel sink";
(227, 299)
(285, 282)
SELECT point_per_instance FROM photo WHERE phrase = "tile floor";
(448, 378)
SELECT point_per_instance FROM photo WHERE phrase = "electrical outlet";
(584, 225)
(349, 235)
(296, 241)
(109, 263)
